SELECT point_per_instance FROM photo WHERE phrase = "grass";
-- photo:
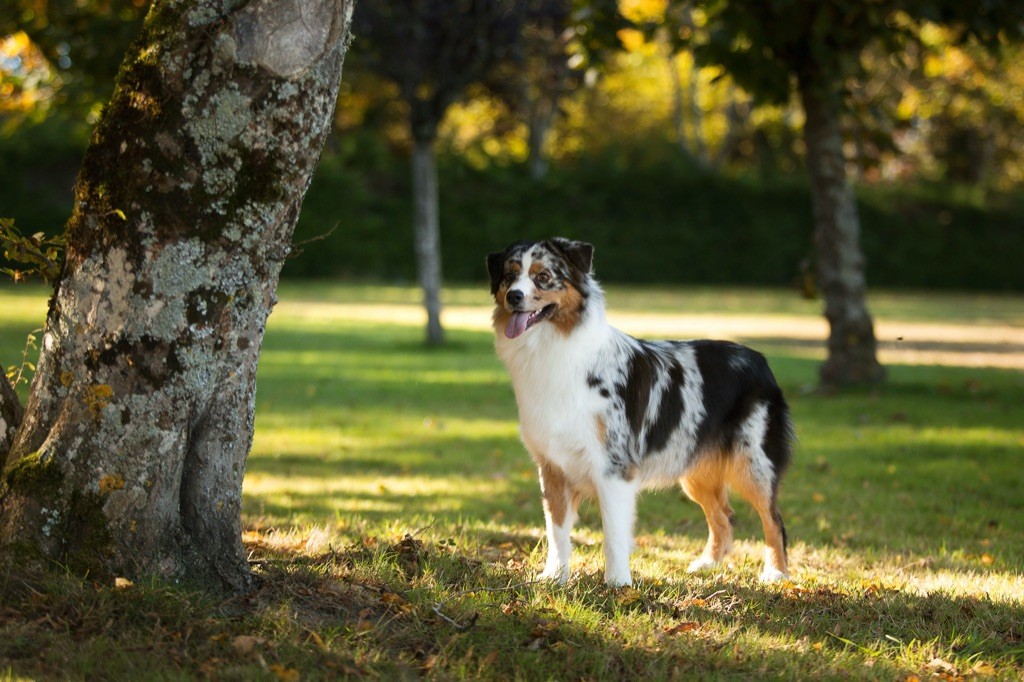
(395, 521)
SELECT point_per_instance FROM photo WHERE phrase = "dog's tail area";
(779, 439)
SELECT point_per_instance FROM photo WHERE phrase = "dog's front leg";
(559, 515)
(618, 509)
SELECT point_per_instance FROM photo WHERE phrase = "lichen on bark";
(143, 402)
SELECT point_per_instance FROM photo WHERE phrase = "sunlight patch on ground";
(899, 341)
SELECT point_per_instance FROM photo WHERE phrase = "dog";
(606, 415)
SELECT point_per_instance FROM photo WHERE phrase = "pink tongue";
(516, 324)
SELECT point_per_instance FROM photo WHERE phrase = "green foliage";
(766, 45)
(434, 49)
(42, 255)
(659, 219)
(663, 219)
(85, 40)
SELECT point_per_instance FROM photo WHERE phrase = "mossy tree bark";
(839, 260)
(130, 456)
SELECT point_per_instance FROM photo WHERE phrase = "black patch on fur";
(736, 380)
(636, 392)
(579, 255)
(496, 269)
(670, 411)
(597, 383)
(496, 262)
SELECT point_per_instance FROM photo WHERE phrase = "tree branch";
(11, 413)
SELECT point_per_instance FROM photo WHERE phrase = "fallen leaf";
(939, 664)
(490, 658)
(122, 583)
(246, 644)
(986, 669)
(392, 599)
(629, 595)
(317, 639)
(285, 674)
(686, 603)
(679, 628)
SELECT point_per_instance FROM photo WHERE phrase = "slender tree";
(130, 455)
(813, 47)
(433, 50)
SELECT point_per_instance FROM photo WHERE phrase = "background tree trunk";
(679, 108)
(540, 119)
(130, 458)
(839, 260)
(428, 234)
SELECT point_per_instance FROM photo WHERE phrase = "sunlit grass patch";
(395, 521)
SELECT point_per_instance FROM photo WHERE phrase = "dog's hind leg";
(560, 505)
(753, 475)
(705, 486)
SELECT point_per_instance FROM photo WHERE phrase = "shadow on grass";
(403, 608)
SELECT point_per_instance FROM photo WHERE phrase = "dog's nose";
(514, 297)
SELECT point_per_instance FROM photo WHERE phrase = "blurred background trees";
(672, 135)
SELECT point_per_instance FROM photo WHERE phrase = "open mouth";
(520, 321)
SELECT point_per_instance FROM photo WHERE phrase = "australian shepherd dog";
(606, 415)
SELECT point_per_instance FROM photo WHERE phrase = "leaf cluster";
(43, 256)
(434, 49)
(765, 45)
(84, 39)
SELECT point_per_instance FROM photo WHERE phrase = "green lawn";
(396, 521)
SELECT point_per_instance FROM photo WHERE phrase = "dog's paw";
(772, 575)
(702, 564)
(613, 580)
(558, 575)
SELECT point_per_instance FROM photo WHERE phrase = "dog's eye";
(543, 278)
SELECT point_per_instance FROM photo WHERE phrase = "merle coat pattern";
(605, 415)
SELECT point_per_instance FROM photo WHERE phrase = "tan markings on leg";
(705, 484)
(602, 429)
(555, 490)
(762, 501)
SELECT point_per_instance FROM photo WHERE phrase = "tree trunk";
(541, 118)
(696, 113)
(542, 97)
(838, 257)
(11, 414)
(130, 457)
(735, 118)
(428, 234)
(678, 107)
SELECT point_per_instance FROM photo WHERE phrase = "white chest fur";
(558, 411)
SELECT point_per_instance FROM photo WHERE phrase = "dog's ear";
(496, 269)
(579, 254)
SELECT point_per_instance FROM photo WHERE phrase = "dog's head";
(535, 282)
